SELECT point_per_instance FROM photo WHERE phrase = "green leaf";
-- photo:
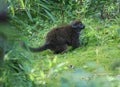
(29, 15)
(22, 4)
(50, 15)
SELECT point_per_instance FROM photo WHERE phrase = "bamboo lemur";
(59, 38)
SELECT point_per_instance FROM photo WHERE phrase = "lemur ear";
(74, 24)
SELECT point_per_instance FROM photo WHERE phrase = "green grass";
(97, 57)
(97, 60)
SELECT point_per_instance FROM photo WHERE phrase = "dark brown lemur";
(59, 38)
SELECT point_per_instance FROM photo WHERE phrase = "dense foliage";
(95, 64)
(52, 9)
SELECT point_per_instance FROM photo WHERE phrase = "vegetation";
(95, 64)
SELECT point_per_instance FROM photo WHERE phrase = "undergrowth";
(94, 64)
